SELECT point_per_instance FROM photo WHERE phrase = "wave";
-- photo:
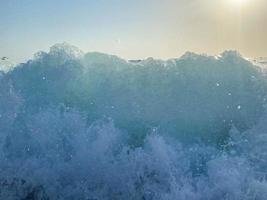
(77, 125)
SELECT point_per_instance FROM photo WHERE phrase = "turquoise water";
(77, 125)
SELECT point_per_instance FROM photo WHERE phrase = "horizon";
(66, 44)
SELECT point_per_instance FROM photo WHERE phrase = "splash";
(94, 126)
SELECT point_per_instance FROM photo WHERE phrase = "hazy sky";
(134, 28)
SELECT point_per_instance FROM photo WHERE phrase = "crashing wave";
(94, 126)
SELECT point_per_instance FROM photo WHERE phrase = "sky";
(134, 29)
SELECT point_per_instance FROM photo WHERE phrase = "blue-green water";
(94, 126)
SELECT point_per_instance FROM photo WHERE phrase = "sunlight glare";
(239, 2)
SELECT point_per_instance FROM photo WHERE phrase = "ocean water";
(86, 126)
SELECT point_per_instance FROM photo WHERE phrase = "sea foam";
(77, 125)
